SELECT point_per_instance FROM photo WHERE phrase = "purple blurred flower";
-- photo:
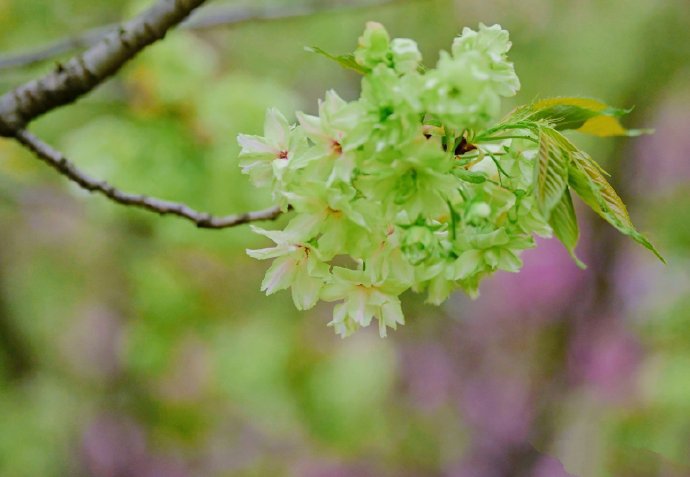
(429, 375)
(326, 468)
(188, 376)
(478, 466)
(92, 343)
(606, 357)
(550, 467)
(498, 409)
(670, 142)
(546, 283)
(113, 446)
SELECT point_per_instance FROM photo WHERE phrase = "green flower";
(406, 56)
(326, 131)
(418, 182)
(465, 88)
(388, 111)
(388, 262)
(363, 300)
(374, 46)
(296, 266)
(488, 252)
(438, 279)
(332, 217)
(411, 185)
(268, 159)
(493, 44)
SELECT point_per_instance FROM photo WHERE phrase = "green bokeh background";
(147, 340)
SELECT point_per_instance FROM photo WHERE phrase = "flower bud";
(374, 46)
(406, 55)
(418, 244)
(480, 210)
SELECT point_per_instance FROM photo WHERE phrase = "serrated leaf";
(346, 61)
(564, 116)
(584, 115)
(552, 170)
(564, 224)
(587, 180)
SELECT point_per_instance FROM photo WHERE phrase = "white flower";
(267, 158)
(296, 265)
(363, 300)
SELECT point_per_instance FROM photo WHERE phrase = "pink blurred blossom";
(498, 409)
(546, 283)
(662, 158)
(429, 375)
(606, 357)
(115, 446)
(550, 467)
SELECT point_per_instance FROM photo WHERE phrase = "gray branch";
(204, 220)
(84, 72)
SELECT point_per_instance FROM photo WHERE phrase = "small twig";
(204, 220)
(55, 49)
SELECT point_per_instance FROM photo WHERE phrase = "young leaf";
(584, 115)
(346, 61)
(604, 126)
(564, 224)
(564, 116)
(552, 170)
(588, 181)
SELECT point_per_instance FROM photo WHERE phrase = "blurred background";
(133, 345)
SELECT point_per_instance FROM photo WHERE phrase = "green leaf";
(346, 61)
(584, 115)
(564, 224)
(588, 181)
(552, 170)
(564, 116)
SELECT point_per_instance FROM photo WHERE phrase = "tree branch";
(203, 220)
(84, 72)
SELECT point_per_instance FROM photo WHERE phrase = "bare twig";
(211, 18)
(53, 50)
(203, 220)
(84, 72)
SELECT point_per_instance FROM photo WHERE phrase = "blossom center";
(336, 147)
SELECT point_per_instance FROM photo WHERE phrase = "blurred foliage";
(115, 324)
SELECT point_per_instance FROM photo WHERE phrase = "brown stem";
(60, 163)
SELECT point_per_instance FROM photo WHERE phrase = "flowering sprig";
(413, 185)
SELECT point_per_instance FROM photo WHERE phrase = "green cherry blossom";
(363, 300)
(296, 266)
(415, 183)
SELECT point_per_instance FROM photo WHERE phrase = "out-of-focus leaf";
(346, 61)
